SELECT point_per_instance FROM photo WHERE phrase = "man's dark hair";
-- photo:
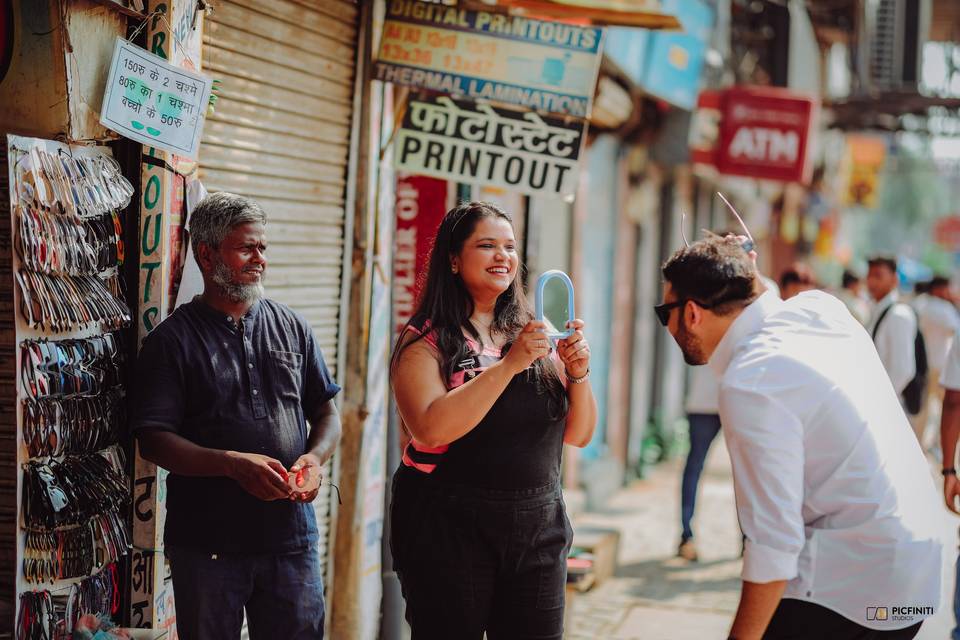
(883, 261)
(714, 272)
(939, 281)
(799, 273)
(849, 278)
(922, 286)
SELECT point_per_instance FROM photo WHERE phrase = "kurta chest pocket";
(286, 367)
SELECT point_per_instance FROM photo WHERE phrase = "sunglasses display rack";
(72, 482)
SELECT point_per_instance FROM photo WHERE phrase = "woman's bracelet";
(579, 380)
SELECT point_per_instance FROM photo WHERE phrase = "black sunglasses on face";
(663, 310)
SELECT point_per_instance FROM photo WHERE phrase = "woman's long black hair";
(445, 305)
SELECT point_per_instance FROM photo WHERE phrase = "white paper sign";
(153, 102)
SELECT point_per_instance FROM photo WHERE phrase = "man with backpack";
(895, 331)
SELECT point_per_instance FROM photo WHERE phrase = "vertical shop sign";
(420, 205)
(864, 160)
(162, 180)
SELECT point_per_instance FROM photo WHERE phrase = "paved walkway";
(656, 596)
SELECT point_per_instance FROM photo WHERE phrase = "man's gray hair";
(217, 215)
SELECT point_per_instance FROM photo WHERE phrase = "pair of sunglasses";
(747, 245)
(663, 310)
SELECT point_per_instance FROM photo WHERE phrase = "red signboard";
(420, 206)
(761, 132)
(947, 233)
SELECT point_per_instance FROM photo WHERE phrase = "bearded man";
(833, 493)
(233, 397)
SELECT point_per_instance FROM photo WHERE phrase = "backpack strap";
(883, 315)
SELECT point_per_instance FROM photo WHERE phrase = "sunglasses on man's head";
(747, 245)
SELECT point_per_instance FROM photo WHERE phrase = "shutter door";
(281, 135)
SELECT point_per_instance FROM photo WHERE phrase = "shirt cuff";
(763, 564)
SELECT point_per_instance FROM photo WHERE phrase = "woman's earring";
(454, 270)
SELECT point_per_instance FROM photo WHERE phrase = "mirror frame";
(542, 281)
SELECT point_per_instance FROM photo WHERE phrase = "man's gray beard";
(235, 292)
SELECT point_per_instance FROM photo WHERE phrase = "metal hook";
(683, 221)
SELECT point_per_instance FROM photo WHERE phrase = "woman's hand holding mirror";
(574, 351)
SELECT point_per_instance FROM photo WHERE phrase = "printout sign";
(467, 142)
(153, 102)
(546, 66)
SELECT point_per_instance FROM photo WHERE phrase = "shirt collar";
(889, 299)
(884, 302)
(748, 320)
(219, 316)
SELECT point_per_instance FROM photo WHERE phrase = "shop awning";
(645, 14)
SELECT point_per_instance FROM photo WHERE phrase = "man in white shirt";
(833, 492)
(850, 295)
(949, 433)
(939, 321)
(893, 324)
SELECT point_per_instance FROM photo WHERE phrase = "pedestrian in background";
(895, 329)
(703, 418)
(797, 279)
(479, 531)
(851, 294)
(939, 322)
(833, 493)
(949, 434)
(232, 395)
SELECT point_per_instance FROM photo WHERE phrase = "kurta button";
(249, 365)
(255, 392)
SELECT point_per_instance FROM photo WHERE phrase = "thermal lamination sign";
(481, 144)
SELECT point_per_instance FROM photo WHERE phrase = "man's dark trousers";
(281, 592)
(800, 620)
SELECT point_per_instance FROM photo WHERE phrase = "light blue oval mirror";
(554, 302)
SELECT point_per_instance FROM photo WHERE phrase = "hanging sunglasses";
(58, 304)
(35, 620)
(72, 491)
(80, 425)
(65, 368)
(75, 552)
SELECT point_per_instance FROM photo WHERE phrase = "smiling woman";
(487, 405)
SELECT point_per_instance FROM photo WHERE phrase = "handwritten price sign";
(153, 102)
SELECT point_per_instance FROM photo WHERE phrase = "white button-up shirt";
(703, 395)
(939, 321)
(833, 492)
(895, 340)
(950, 376)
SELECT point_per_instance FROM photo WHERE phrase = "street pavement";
(656, 596)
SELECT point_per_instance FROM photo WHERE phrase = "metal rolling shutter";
(281, 134)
